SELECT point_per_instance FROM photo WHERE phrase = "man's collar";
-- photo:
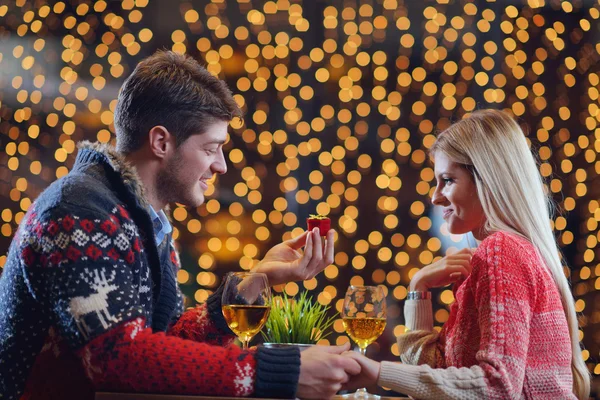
(162, 227)
(105, 154)
(96, 152)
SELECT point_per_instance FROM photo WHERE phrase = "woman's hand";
(443, 272)
(369, 373)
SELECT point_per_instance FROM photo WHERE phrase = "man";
(88, 296)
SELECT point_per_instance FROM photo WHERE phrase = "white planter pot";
(300, 346)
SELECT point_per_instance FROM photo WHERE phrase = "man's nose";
(220, 165)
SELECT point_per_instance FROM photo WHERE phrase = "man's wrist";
(258, 268)
(277, 372)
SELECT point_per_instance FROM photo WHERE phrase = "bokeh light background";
(342, 100)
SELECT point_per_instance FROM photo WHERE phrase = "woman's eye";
(447, 180)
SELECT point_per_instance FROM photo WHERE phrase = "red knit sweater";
(131, 358)
(506, 338)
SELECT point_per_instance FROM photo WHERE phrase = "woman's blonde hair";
(511, 190)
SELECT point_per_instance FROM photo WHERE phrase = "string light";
(337, 126)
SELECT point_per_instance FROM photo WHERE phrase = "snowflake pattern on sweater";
(57, 251)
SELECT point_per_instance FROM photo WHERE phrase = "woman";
(512, 331)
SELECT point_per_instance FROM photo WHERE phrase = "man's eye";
(447, 180)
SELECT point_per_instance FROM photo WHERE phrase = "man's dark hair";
(172, 90)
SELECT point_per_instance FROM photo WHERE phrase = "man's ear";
(161, 141)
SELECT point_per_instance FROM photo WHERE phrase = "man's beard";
(170, 185)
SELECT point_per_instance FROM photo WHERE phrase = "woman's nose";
(438, 198)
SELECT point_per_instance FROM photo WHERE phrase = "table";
(141, 396)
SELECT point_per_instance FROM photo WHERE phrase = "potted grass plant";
(297, 321)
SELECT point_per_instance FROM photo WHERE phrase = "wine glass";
(364, 315)
(246, 304)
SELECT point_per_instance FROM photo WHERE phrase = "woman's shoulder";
(506, 250)
(503, 241)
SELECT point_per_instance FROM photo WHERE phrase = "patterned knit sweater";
(88, 302)
(506, 336)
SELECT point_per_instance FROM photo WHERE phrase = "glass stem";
(245, 344)
(362, 391)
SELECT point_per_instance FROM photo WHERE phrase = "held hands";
(285, 263)
(369, 374)
(323, 371)
(443, 272)
(326, 370)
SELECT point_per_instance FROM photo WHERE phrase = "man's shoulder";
(76, 190)
(64, 232)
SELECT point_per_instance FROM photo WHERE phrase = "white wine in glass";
(246, 304)
(364, 317)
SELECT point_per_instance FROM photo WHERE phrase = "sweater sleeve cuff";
(213, 304)
(277, 372)
(418, 315)
(402, 378)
